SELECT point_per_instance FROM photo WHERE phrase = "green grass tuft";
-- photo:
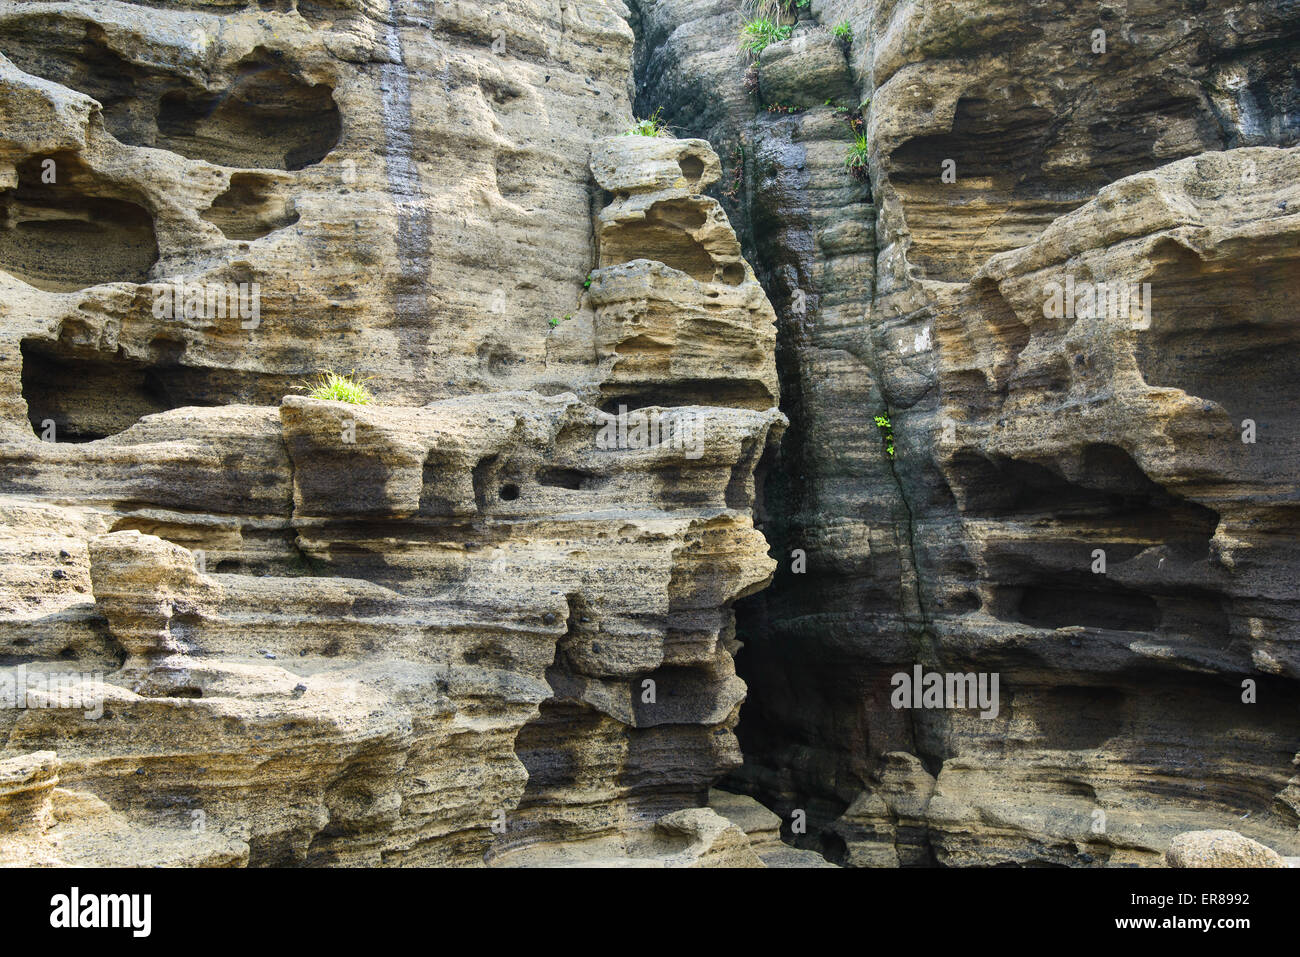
(331, 386)
(855, 157)
(651, 126)
(758, 34)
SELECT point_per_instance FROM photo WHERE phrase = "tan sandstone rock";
(1220, 849)
(491, 612)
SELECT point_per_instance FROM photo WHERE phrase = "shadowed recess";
(76, 231)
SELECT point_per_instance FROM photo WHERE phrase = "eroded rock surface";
(486, 619)
(483, 620)
(1014, 145)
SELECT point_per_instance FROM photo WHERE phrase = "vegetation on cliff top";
(653, 125)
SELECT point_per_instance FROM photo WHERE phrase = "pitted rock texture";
(489, 618)
(443, 145)
(484, 620)
(1151, 144)
(680, 316)
(49, 826)
(1220, 849)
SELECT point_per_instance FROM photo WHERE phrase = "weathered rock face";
(1037, 364)
(1015, 150)
(240, 144)
(46, 825)
(486, 619)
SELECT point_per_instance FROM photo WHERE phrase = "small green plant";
(843, 32)
(338, 388)
(586, 283)
(887, 431)
(851, 117)
(556, 320)
(653, 125)
(855, 157)
(758, 34)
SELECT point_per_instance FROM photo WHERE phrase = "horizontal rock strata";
(1010, 147)
(483, 620)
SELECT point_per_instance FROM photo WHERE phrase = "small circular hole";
(509, 492)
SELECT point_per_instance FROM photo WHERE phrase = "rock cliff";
(1093, 499)
(683, 447)
(485, 619)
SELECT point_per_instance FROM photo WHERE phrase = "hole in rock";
(509, 492)
(90, 396)
(250, 208)
(76, 232)
(1110, 490)
(262, 116)
(265, 118)
(545, 747)
(663, 236)
(997, 142)
(1043, 578)
(735, 393)
(1109, 608)
(1226, 332)
(75, 53)
(692, 168)
(572, 479)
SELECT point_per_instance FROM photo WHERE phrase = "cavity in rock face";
(250, 208)
(64, 233)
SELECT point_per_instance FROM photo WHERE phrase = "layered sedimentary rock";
(1017, 150)
(47, 825)
(763, 828)
(486, 619)
(1036, 363)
